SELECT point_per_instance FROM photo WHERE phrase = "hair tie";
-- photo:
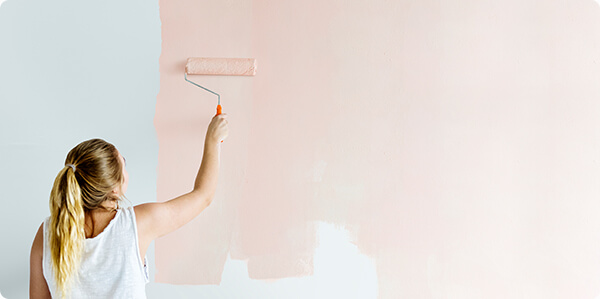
(72, 166)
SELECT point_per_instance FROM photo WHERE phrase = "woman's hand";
(218, 129)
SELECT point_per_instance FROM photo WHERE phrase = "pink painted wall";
(456, 140)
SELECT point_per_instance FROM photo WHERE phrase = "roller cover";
(221, 66)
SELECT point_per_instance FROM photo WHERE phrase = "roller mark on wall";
(340, 271)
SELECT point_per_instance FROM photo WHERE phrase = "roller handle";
(219, 110)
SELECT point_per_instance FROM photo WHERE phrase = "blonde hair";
(92, 171)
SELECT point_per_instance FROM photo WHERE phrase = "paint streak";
(455, 141)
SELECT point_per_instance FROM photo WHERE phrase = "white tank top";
(111, 266)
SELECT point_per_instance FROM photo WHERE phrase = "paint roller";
(219, 67)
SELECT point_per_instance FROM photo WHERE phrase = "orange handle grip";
(219, 110)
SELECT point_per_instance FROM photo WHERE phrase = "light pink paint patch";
(457, 142)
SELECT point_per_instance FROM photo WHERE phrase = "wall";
(455, 141)
(412, 149)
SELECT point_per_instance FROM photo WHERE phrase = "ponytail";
(67, 232)
(92, 171)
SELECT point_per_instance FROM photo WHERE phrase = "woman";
(91, 248)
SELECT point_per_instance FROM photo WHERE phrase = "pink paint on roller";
(221, 66)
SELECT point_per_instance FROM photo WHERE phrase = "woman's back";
(111, 266)
(106, 253)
